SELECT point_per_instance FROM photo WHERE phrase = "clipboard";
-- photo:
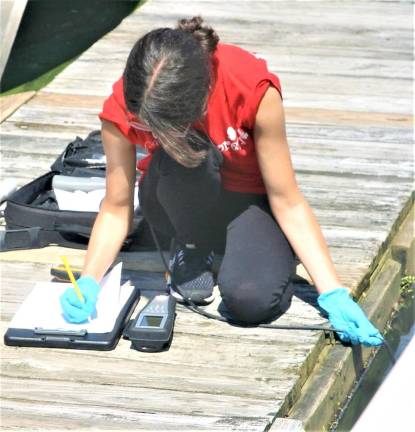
(74, 339)
(39, 322)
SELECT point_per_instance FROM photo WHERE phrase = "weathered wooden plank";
(364, 13)
(56, 101)
(9, 104)
(358, 133)
(323, 49)
(133, 398)
(34, 145)
(350, 118)
(344, 184)
(24, 167)
(147, 375)
(286, 425)
(354, 166)
(65, 130)
(290, 13)
(79, 70)
(24, 415)
(82, 87)
(357, 68)
(85, 117)
(327, 147)
(354, 103)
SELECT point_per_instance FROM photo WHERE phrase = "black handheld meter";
(152, 329)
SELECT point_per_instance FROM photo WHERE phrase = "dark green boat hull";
(54, 31)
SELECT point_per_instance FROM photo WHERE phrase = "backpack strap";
(25, 238)
(37, 237)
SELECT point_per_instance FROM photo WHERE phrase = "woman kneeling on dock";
(218, 178)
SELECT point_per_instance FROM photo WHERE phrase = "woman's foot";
(191, 271)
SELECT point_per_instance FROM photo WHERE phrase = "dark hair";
(166, 84)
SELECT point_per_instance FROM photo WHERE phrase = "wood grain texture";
(346, 71)
(9, 104)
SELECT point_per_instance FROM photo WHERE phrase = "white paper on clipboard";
(42, 309)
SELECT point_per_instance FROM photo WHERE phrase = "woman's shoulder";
(244, 77)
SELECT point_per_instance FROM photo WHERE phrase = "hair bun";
(207, 37)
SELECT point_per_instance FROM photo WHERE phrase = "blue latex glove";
(347, 316)
(74, 310)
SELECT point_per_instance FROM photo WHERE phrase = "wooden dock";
(346, 70)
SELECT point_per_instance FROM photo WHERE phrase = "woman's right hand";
(111, 225)
(74, 310)
(115, 216)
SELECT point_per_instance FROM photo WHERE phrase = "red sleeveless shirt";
(241, 80)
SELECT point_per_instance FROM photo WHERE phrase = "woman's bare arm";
(115, 216)
(288, 204)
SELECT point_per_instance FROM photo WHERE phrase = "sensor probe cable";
(194, 308)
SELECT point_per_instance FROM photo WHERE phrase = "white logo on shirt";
(236, 139)
(231, 133)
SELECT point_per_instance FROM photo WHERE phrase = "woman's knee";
(256, 271)
(251, 303)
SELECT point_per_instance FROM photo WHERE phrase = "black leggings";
(191, 205)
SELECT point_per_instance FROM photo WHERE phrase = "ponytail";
(204, 34)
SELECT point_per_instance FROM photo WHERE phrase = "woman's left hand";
(348, 319)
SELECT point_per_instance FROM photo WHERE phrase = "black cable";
(156, 241)
(194, 308)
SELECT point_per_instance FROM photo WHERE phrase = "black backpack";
(33, 219)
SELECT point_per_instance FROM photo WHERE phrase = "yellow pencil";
(72, 279)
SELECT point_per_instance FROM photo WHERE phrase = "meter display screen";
(151, 321)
